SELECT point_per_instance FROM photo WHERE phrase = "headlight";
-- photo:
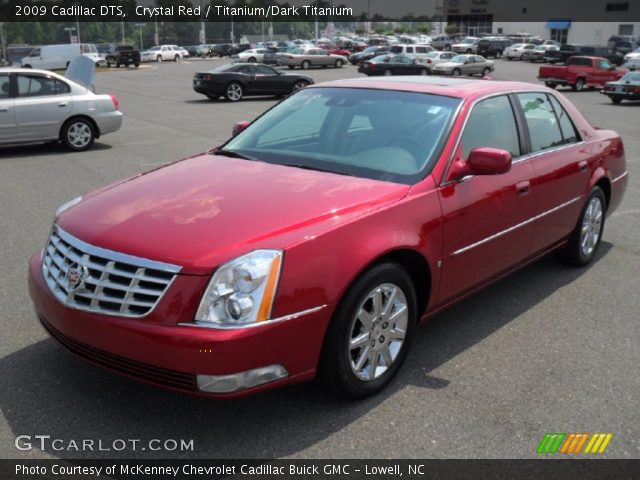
(67, 205)
(242, 291)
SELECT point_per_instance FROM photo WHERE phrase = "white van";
(50, 57)
(415, 52)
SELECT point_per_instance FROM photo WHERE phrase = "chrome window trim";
(619, 177)
(515, 227)
(521, 158)
(291, 316)
(115, 256)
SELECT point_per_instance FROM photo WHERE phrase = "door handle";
(63, 104)
(523, 188)
(583, 165)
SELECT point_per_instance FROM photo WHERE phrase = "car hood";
(208, 209)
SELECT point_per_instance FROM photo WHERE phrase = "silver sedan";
(464, 65)
(306, 57)
(41, 106)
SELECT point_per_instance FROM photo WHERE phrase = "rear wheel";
(27, 66)
(77, 134)
(585, 239)
(424, 71)
(456, 72)
(252, 60)
(550, 85)
(498, 53)
(234, 92)
(486, 71)
(176, 58)
(369, 335)
(305, 65)
(616, 100)
(159, 58)
(447, 47)
(579, 85)
(338, 64)
(388, 73)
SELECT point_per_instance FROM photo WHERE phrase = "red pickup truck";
(580, 72)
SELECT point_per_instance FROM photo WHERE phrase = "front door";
(487, 219)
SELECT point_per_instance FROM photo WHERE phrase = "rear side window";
(491, 124)
(39, 86)
(544, 130)
(5, 83)
(567, 128)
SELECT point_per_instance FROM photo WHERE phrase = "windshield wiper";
(317, 169)
(233, 154)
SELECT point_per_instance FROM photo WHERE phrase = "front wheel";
(78, 134)
(486, 71)
(551, 85)
(176, 58)
(498, 53)
(585, 239)
(616, 100)
(424, 71)
(305, 65)
(159, 58)
(456, 72)
(579, 85)
(388, 73)
(299, 85)
(338, 63)
(369, 336)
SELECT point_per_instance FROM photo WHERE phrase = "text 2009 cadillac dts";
(313, 242)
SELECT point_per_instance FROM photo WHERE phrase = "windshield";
(154, 48)
(378, 134)
(433, 54)
(631, 77)
(469, 40)
(458, 59)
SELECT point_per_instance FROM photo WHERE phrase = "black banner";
(565, 469)
(453, 11)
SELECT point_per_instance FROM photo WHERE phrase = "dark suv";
(566, 51)
(493, 47)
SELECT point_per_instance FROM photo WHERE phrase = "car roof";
(447, 86)
(31, 70)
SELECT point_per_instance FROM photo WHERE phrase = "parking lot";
(549, 349)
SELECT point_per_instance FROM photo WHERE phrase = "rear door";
(7, 110)
(41, 105)
(560, 161)
(487, 218)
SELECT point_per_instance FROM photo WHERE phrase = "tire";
(27, 66)
(159, 58)
(468, 51)
(137, 64)
(456, 72)
(616, 100)
(388, 73)
(447, 47)
(354, 370)
(585, 239)
(234, 92)
(176, 58)
(579, 85)
(78, 134)
(338, 64)
(551, 85)
(252, 60)
(305, 65)
(498, 54)
(486, 71)
(509, 58)
(299, 85)
(291, 67)
(424, 71)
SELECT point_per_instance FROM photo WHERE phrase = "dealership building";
(537, 18)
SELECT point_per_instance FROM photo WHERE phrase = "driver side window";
(491, 124)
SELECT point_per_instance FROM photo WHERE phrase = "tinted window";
(4, 86)
(544, 130)
(396, 49)
(264, 70)
(569, 133)
(491, 124)
(38, 86)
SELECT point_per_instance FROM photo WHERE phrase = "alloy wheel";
(234, 92)
(79, 134)
(378, 331)
(591, 226)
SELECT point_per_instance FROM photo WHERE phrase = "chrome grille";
(103, 281)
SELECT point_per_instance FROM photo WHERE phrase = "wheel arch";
(93, 123)
(600, 179)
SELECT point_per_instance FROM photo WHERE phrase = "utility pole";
(70, 29)
(122, 31)
(140, 25)
(2, 44)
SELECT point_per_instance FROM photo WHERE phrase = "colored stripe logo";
(573, 443)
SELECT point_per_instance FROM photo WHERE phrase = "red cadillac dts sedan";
(313, 242)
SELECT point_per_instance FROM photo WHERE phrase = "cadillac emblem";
(75, 277)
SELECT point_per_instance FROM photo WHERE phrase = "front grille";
(133, 368)
(103, 281)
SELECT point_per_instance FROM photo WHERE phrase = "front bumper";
(171, 355)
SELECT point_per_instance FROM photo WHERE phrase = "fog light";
(242, 380)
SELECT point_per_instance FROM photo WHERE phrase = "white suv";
(468, 45)
(161, 53)
(415, 52)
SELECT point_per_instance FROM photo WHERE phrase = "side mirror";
(482, 161)
(239, 127)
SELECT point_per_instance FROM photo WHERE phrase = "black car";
(223, 50)
(237, 80)
(493, 47)
(367, 54)
(392, 65)
(627, 88)
(567, 51)
(273, 54)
